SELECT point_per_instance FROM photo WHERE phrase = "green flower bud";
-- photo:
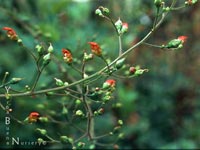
(81, 144)
(158, 3)
(39, 49)
(92, 146)
(50, 48)
(64, 139)
(95, 113)
(110, 133)
(118, 25)
(120, 63)
(19, 41)
(117, 105)
(15, 80)
(42, 131)
(40, 140)
(79, 113)
(66, 83)
(107, 98)
(98, 12)
(65, 111)
(105, 10)
(43, 119)
(46, 59)
(166, 9)
(121, 136)
(120, 122)
(59, 82)
(100, 111)
(78, 102)
(140, 71)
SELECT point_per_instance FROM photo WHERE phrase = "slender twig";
(152, 45)
(4, 78)
(84, 135)
(120, 45)
(52, 140)
(90, 119)
(109, 71)
(177, 8)
(37, 78)
(156, 18)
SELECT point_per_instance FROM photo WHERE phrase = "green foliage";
(159, 109)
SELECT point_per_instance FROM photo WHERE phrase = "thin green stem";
(109, 71)
(37, 78)
(156, 18)
(120, 45)
(52, 140)
(177, 8)
(110, 19)
(4, 78)
(90, 119)
(152, 45)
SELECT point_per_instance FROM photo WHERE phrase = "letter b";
(7, 120)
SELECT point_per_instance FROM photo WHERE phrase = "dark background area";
(160, 109)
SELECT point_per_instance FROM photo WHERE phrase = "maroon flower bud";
(132, 70)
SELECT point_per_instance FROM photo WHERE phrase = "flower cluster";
(67, 56)
(11, 33)
(101, 11)
(108, 88)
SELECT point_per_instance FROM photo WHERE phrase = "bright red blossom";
(67, 56)
(95, 48)
(111, 82)
(125, 27)
(10, 33)
(183, 38)
(33, 117)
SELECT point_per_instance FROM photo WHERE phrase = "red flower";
(95, 48)
(10, 33)
(67, 56)
(33, 117)
(182, 38)
(124, 27)
(110, 83)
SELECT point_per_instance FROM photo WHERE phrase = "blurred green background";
(160, 109)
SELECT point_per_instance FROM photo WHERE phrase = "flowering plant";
(82, 91)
